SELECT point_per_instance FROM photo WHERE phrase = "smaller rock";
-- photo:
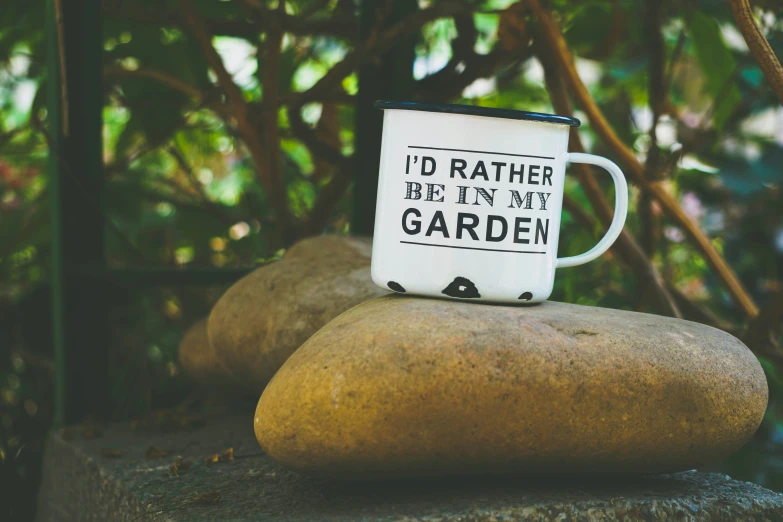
(265, 316)
(315, 248)
(198, 360)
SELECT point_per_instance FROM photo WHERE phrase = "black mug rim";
(471, 110)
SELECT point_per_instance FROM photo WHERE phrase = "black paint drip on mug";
(397, 287)
(461, 287)
(527, 296)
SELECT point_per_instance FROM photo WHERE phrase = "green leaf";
(717, 63)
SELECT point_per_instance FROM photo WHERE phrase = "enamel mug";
(469, 202)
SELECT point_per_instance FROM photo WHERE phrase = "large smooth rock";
(401, 386)
(269, 313)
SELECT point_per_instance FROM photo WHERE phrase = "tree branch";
(330, 194)
(307, 136)
(116, 71)
(206, 97)
(451, 80)
(339, 25)
(579, 214)
(629, 253)
(216, 210)
(62, 68)
(314, 7)
(759, 46)
(627, 248)
(343, 26)
(702, 136)
(338, 96)
(691, 310)
(327, 198)
(188, 170)
(376, 44)
(633, 167)
(240, 111)
(466, 66)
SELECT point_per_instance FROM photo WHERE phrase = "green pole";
(54, 120)
(76, 189)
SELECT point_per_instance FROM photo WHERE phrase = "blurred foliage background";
(228, 132)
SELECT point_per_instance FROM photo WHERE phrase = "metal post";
(76, 188)
(391, 78)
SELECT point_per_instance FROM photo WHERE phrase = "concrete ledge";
(120, 474)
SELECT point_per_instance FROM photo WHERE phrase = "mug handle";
(620, 209)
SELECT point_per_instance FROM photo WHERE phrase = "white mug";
(469, 202)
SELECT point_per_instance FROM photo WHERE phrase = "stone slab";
(112, 475)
